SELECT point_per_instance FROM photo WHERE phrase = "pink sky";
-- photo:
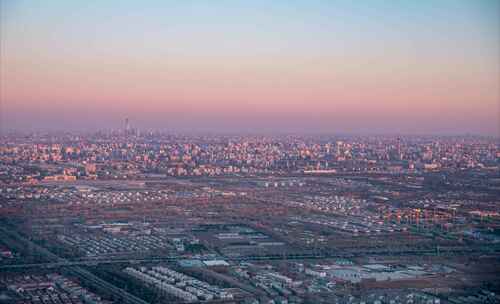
(430, 83)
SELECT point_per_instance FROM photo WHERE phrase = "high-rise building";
(127, 126)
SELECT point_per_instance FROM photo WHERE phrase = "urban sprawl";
(135, 216)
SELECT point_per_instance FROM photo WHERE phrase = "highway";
(346, 254)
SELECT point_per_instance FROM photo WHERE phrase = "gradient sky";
(303, 66)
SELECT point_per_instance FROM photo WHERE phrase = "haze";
(308, 66)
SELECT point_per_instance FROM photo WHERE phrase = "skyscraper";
(127, 125)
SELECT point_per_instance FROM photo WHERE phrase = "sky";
(405, 67)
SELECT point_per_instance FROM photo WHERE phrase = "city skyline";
(312, 67)
(250, 152)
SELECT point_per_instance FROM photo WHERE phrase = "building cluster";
(130, 238)
(352, 215)
(104, 156)
(81, 195)
(377, 272)
(289, 283)
(177, 284)
(52, 288)
(106, 245)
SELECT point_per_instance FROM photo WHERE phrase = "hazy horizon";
(189, 131)
(308, 66)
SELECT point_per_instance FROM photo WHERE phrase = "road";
(346, 254)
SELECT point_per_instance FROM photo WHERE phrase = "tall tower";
(127, 126)
(400, 156)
